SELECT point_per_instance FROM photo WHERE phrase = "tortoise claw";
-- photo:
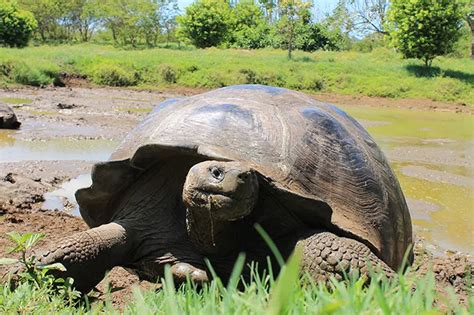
(181, 271)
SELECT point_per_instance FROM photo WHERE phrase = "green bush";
(206, 22)
(113, 75)
(270, 78)
(16, 26)
(250, 76)
(6, 67)
(316, 84)
(22, 73)
(167, 73)
(449, 89)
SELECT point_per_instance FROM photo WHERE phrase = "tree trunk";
(472, 38)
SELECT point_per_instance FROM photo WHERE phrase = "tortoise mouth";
(221, 206)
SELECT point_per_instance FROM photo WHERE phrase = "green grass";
(288, 295)
(379, 73)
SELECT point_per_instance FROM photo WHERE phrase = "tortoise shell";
(327, 166)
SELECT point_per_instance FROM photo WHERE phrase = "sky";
(324, 6)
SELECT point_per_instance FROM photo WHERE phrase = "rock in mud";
(21, 192)
(8, 118)
(66, 106)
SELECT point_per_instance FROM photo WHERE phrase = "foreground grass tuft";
(381, 73)
(36, 292)
(39, 293)
(258, 297)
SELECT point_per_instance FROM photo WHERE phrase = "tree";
(292, 12)
(315, 36)
(337, 27)
(424, 29)
(169, 10)
(269, 6)
(249, 28)
(369, 15)
(470, 21)
(47, 13)
(16, 26)
(85, 17)
(206, 22)
(132, 21)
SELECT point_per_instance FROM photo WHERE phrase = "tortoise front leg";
(326, 254)
(88, 255)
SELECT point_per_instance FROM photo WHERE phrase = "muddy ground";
(70, 114)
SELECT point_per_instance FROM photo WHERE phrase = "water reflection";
(14, 150)
(63, 198)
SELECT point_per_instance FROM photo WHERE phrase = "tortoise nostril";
(243, 176)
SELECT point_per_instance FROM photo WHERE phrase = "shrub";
(250, 76)
(316, 84)
(206, 22)
(16, 26)
(6, 67)
(449, 89)
(270, 78)
(34, 76)
(113, 75)
(168, 73)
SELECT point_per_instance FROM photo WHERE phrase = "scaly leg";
(326, 254)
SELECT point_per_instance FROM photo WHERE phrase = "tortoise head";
(228, 191)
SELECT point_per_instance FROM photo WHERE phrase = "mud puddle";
(63, 198)
(432, 154)
(12, 150)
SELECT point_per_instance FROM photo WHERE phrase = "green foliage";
(382, 72)
(131, 22)
(249, 28)
(35, 275)
(462, 48)
(113, 75)
(294, 14)
(206, 22)
(168, 73)
(370, 42)
(26, 73)
(425, 29)
(16, 26)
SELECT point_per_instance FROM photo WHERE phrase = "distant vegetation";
(16, 25)
(250, 24)
(426, 29)
(120, 43)
(380, 73)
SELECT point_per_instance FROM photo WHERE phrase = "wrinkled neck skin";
(153, 216)
(211, 235)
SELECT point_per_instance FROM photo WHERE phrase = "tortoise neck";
(153, 214)
(210, 235)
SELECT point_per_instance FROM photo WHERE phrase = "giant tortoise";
(196, 176)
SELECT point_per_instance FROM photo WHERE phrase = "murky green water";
(13, 150)
(15, 100)
(432, 154)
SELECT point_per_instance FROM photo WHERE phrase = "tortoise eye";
(217, 173)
